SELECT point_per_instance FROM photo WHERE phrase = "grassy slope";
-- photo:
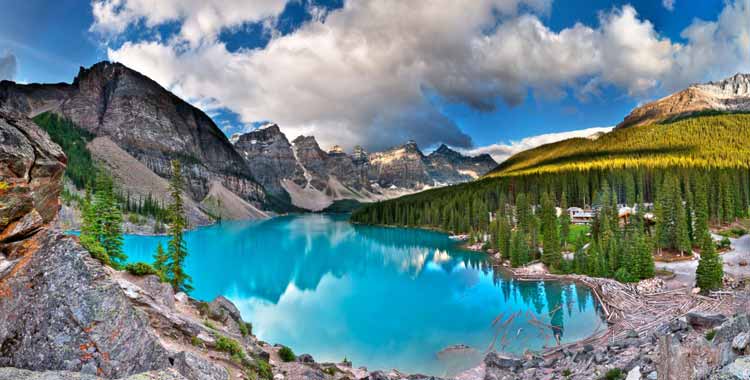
(713, 141)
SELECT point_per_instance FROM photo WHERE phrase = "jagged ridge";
(729, 95)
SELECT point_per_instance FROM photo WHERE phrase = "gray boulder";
(194, 367)
(221, 309)
(496, 360)
(9, 373)
(731, 328)
(65, 312)
(740, 368)
(741, 341)
(706, 321)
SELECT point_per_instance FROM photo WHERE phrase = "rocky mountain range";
(149, 123)
(262, 170)
(729, 95)
(312, 178)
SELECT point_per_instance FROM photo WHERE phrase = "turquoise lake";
(381, 297)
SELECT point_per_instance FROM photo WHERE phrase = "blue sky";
(369, 73)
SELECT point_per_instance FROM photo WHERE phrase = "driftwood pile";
(626, 309)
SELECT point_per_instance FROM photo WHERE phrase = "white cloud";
(500, 152)
(714, 49)
(668, 4)
(365, 74)
(8, 66)
(200, 19)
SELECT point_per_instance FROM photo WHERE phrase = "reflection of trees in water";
(569, 299)
(553, 293)
(268, 257)
(582, 294)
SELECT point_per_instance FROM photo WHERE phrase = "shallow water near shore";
(380, 297)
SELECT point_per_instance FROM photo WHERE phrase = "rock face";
(152, 126)
(63, 312)
(404, 166)
(313, 178)
(59, 309)
(448, 166)
(144, 119)
(731, 95)
(270, 157)
(31, 167)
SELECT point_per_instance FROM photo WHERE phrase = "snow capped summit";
(728, 95)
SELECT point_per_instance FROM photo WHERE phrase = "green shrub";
(195, 341)
(263, 369)
(95, 249)
(286, 354)
(229, 345)
(710, 334)
(724, 243)
(246, 328)
(623, 275)
(250, 374)
(614, 374)
(203, 308)
(140, 269)
(209, 325)
(567, 372)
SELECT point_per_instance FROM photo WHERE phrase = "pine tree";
(504, 237)
(681, 236)
(176, 248)
(644, 249)
(91, 230)
(709, 274)
(564, 220)
(161, 260)
(700, 209)
(109, 215)
(519, 254)
(551, 256)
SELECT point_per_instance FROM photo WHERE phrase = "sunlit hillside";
(706, 141)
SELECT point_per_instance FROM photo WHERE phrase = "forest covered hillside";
(707, 150)
(708, 140)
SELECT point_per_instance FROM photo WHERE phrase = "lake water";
(381, 297)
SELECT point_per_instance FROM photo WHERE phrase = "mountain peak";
(729, 95)
(411, 144)
(736, 85)
(444, 150)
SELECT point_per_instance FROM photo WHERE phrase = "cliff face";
(270, 157)
(448, 166)
(404, 166)
(729, 95)
(59, 309)
(31, 167)
(145, 120)
(313, 178)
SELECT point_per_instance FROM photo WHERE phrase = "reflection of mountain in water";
(324, 285)
(307, 248)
